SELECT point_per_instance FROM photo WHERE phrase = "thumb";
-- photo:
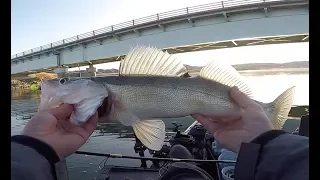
(208, 123)
(64, 111)
(91, 124)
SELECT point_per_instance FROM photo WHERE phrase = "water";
(116, 138)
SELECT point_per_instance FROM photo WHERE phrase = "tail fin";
(282, 105)
(151, 133)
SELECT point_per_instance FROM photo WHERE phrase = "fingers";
(226, 119)
(198, 116)
(208, 123)
(91, 125)
(240, 98)
(62, 112)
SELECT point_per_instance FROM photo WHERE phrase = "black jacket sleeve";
(274, 155)
(32, 159)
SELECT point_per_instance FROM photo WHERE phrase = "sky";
(38, 22)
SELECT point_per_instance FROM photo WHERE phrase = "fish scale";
(163, 98)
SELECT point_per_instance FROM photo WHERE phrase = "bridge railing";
(144, 20)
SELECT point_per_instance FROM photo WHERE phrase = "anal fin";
(151, 133)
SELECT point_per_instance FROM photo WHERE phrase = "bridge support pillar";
(92, 70)
(61, 71)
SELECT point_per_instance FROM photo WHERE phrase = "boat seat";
(304, 126)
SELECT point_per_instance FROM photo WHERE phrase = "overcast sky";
(38, 22)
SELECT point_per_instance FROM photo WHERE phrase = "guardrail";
(148, 19)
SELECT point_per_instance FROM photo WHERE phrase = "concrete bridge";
(223, 24)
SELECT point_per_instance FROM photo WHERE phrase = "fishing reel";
(180, 138)
(177, 125)
(185, 140)
(198, 132)
(163, 152)
(139, 147)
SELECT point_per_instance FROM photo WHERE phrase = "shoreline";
(25, 82)
(277, 71)
(263, 72)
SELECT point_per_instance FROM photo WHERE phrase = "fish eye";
(64, 80)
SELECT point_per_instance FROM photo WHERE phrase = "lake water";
(118, 139)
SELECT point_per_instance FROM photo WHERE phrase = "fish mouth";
(105, 108)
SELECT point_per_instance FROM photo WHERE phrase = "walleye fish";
(151, 86)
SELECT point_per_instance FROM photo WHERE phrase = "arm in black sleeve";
(274, 155)
(32, 159)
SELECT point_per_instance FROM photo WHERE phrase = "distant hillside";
(108, 70)
(240, 67)
(260, 66)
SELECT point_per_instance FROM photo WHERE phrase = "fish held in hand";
(84, 94)
(152, 85)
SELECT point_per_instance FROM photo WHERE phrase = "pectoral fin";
(126, 118)
(119, 113)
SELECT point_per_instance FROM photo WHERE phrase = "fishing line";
(152, 158)
(104, 163)
(99, 166)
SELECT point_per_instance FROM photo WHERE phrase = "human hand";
(54, 127)
(232, 131)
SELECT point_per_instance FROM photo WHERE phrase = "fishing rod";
(151, 158)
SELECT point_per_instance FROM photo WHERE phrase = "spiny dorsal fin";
(225, 74)
(151, 61)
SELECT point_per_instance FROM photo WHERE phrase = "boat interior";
(196, 139)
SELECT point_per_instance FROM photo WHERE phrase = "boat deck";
(132, 173)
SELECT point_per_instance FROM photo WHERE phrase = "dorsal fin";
(151, 61)
(225, 74)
